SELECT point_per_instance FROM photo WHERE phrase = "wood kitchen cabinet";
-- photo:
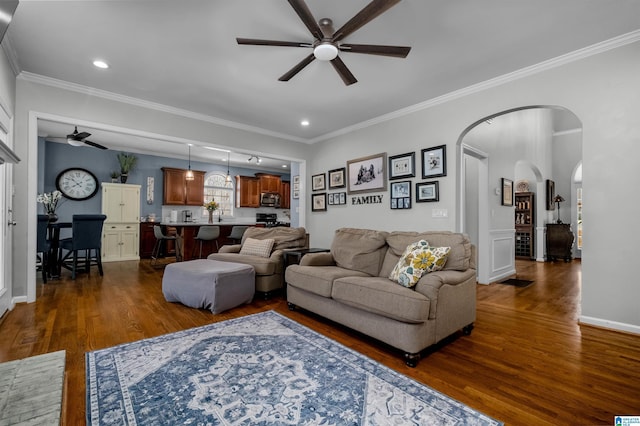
(247, 191)
(285, 195)
(269, 183)
(178, 191)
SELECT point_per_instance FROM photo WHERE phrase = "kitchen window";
(217, 188)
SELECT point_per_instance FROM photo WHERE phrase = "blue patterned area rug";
(262, 369)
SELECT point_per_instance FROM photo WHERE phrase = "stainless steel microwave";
(270, 199)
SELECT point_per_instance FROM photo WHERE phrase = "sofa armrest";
(230, 248)
(430, 284)
(317, 259)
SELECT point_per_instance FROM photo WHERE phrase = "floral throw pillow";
(418, 259)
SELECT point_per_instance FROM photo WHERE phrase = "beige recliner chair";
(269, 267)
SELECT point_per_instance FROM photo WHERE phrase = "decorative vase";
(123, 177)
(210, 216)
(53, 217)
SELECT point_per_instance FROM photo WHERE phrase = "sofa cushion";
(418, 258)
(284, 237)
(254, 247)
(459, 258)
(262, 265)
(317, 279)
(383, 297)
(359, 249)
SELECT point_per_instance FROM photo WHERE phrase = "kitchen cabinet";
(177, 191)
(525, 224)
(269, 183)
(120, 232)
(285, 195)
(148, 240)
(247, 191)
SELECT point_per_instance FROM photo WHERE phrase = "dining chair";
(160, 238)
(86, 239)
(206, 233)
(43, 245)
(236, 234)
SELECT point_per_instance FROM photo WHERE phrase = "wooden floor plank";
(527, 362)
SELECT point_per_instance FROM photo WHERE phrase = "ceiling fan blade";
(296, 69)
(372, 49)
(370, 12)
(95, 145)
(307, 18)
(257, 42)
(343, 71)
(81, 135)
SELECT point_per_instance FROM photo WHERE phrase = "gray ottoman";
(209, 284)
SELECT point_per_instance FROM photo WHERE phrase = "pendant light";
(189, 174)
(228, 178)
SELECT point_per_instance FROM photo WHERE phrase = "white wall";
(602, 90)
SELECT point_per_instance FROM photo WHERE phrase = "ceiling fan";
(79, 139)
(328, 42)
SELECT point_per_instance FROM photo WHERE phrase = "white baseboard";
(613, 325)
(18, 299)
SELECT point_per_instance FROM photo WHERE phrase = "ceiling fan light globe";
(325, 52)
(74, 142)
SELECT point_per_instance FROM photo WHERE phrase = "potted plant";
(127, 162)
(114, 176)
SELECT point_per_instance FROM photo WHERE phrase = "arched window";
(216, 188)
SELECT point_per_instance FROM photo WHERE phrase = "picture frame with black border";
(367, 174)
(330, 200)
(507, 192)
(337, 178)
(550, 192)
(342, 198)
(434, 162)
(427, 192)
(400, 195)
(402, 166)
(319, 182)
(319, 202)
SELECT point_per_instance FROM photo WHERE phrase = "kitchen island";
(185, 237)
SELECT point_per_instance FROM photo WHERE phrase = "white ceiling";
(183, 53)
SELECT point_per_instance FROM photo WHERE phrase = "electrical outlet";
(439, 213)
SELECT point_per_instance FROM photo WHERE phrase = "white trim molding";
(612, 325)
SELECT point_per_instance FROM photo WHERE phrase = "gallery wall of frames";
(374, 172)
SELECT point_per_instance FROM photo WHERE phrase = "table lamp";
(558, 199)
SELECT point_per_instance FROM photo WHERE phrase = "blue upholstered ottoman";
(209, 284)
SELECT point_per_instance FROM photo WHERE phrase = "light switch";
(439, 213)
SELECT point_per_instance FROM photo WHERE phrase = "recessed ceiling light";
(100, 64)
(284, 166)
(304, 123)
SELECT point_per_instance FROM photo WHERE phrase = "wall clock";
(77, 183)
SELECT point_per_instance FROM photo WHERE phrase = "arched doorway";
(531, 138)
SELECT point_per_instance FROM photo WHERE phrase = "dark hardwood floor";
(527, 362)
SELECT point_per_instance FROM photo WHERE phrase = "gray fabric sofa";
(268, 270)
(350, 285)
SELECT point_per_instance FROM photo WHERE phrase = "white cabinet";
(121, 230)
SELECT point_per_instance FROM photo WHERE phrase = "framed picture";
(401, 195)
(507, 192)
(318, 182)
(340, 198)
(427, 191)
(551, 190)
(434, 162)
(296, 193)
(296, 179)
(319, 202)
(330, 199)
(296, 187)
(402, 166)
(336, 178)
(367, 174)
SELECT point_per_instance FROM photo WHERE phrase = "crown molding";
(66, 85)
(12, 56)
(576, 55)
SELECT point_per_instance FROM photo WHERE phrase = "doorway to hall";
(526, 146)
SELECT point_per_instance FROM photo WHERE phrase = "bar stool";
(236, 234)
(206, 233)
(160, 238)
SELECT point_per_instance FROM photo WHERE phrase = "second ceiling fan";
(327, 42)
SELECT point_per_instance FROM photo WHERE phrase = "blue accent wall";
(55, 157)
